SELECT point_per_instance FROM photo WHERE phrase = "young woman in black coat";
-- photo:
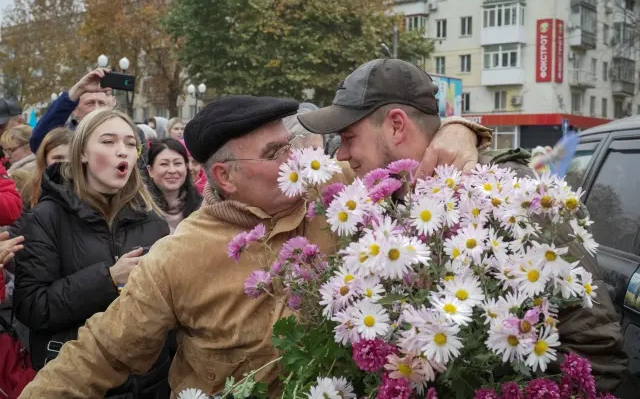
(83, 238)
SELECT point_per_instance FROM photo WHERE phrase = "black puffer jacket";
(62, 275)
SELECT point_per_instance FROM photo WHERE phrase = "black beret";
(229, 117)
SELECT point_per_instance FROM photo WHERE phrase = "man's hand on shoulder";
(454, 144)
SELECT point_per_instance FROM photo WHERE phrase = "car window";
(613, 199)
(578, 166)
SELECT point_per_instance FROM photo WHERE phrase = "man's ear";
(398, 120)
(221, 174)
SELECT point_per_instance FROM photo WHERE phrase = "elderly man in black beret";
(187, 282)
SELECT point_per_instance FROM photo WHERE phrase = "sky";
(4, 4)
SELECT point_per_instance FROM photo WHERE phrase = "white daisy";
(511, 302)
(442, 342)
(588, 289)
(396, 258)
(466, 289)
(344, 388)
(583, 237)
(451, 211)
(427, 215)
(550, 257)
(454, 248)
(324, 389)
(290, 180)
(453, 309)
(531, 278)
(371, 319)
(543, 350)
(192, 393)
(316, 167)
(568, 281)
(474, 242)
(508, 343)
(448, 175)
(492, 311)
(342, 219)
(345, 332)
(497, 244)
(372, 289)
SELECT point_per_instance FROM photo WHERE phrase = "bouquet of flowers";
(450, 287)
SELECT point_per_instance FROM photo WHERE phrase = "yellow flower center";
(546, 201)
(450, 308)
(540, 348)
(487, 187)
(533, 275)
(496, 201)
(450, 183)
(405, 370)
(550, 256)
(293, 177)
(374, 249)
(425, 216)
(363, 257)
(475, 212)
(393, 254)
(570, 279)
(435, 190)
(525, 205)
(351, 205)
(315, 165)
(369, 292)
(524, 326)
(571, 203)
(343, 217)
(462, 295)
(369, 321)
(491, 314)
(550, 321)
(455, 253)
(450, 206)
(449, 277)
(471, 243)
(440, 339)
(512, 220)
(348, 278)
(513, 340)
(537, 302)
(344, 290)
(588, 289)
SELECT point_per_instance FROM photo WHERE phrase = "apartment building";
(528, 64)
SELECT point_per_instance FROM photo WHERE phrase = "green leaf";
(391, 298)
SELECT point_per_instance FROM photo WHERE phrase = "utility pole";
(395, 41)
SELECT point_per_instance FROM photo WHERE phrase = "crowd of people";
(114, 261)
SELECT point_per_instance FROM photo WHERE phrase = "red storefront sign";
(582, 122)
(559, 69)
(544, 50)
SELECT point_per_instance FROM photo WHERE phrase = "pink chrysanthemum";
(403, 166)
(542, 388)
(257, 283)
(384, 189)
(374, 178)
(431, 393)
(292, 249)
(311, 210)
(330, 192)
(606, 396)
(394, 388)
(237, 245)
(276, 268)
(579, 369)
(371, 355)
(294, 302)
(256, 234)
(510, 390)
(485, 393)
(566, 387)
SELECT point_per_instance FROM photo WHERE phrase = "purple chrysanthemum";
(566, 387)
(510, 390)
(542, 388)
(256, 234)
(292, 249)
(431, 393)
(403, 166)
(384, 189)
(374, 178)
(371, 355)
(579, 369)
(485, 393)
(330, 192)
(276, 268)
(394, 388)
(311, 210)
(237, 245)
(294, 302)
(257, 283)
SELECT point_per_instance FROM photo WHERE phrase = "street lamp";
(54, 97)
(124, 64)
(103, 61)
(199, 94)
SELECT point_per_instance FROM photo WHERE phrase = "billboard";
(449, 95)
(559, 68)
(544, 50)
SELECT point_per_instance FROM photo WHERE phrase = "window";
(605, 71)
(440, 66)
(618, 111)
(622, 33)
(578, 166)
(592, 106)
(466, 102)
(605, 34)
(441, 28)
(576, 103)
(505, 137)
(465, 26)
(613, 201)
(145, 114)
(623, 69)
(465, 63)
(160, 112)
(588, 19)
(629, 4)
(503, 15)
(416, 23)
(192, 111)
(605, 107)
(502, 56)
(594, 67)
(500, 100)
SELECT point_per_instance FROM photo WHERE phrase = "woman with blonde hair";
(54, 148)
(175, 128)
(15, 144)
(86, 234)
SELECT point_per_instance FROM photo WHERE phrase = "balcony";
(621, 88)
(581, 39)
(587, 3)
(503, 35)
(503, 77)
(582, 79)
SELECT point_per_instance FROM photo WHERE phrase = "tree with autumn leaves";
(286, 47)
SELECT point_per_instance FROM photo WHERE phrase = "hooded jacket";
(62, 274)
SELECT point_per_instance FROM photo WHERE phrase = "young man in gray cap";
(386, 110)
(187, 282)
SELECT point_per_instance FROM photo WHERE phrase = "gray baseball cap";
(372, 85)
(8, 108)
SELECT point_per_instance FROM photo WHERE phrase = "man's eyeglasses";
(277, 155)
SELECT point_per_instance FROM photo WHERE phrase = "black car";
(607, 167)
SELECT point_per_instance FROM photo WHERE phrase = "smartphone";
(118, 81)
(145, 250)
